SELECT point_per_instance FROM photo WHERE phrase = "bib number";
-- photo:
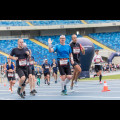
(97, 60)
(63, 61)
(10, 74)
(22, 62)
(47, 67)
(76, 50)
(54, 65)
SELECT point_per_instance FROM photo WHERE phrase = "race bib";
(10, 74)
(47, 67)
(63, 61)
(22, 62)
(97, 60)
(76, 50)
(38, 74)
(54, 65)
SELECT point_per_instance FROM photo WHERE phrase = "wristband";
(72, 58)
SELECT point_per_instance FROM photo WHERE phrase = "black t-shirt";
(54, 66)
(22, 56)
(76, 49)
(46, 67)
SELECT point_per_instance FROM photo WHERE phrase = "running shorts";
(64, 70)
(98, 68)
(47, 73)
(23, 71)
(76, 63)
(11, 78)
(54, 71)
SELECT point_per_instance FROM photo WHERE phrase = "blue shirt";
(44, 66)
(63, 51)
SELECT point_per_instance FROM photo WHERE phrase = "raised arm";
(50, 45)
(82, 49)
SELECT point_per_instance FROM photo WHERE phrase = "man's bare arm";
(13, 58)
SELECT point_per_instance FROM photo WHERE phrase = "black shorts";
(23, 71)
(64, 70)
(54, 71)
(76, 63)
(47, 73)
(11, 78)
(98, 68)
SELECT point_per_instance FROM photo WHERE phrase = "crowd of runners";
(67, 64)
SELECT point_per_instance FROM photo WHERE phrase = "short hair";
(73, 34)
(62, 36)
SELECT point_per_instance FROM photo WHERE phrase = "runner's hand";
(72, 62)
(27, 52)
(16, 58)
(49, 41)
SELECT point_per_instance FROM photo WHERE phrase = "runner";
(21, 55)
(54, 68)
(32, 63)
(98, 68)
(76, 49)
(29, 80)
(46, 69)
(38, 75)
(9, 69)
(64, 51)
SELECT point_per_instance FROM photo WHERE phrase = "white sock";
(67, 81)
(62, 84)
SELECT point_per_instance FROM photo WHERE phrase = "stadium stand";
(55, 22)
(13, 23)
(38, 51)
(110, 39)
(100, 21)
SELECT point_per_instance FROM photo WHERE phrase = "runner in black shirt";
(76, 49)
(21, 55)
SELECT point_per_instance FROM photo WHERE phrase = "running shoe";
(63, 92)
(100, 82)
(55, 81)
(76, 84)
(21, 95)
(18, 91)
(48, 83)
(24, 93)
(45, 81)
(32, 93)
